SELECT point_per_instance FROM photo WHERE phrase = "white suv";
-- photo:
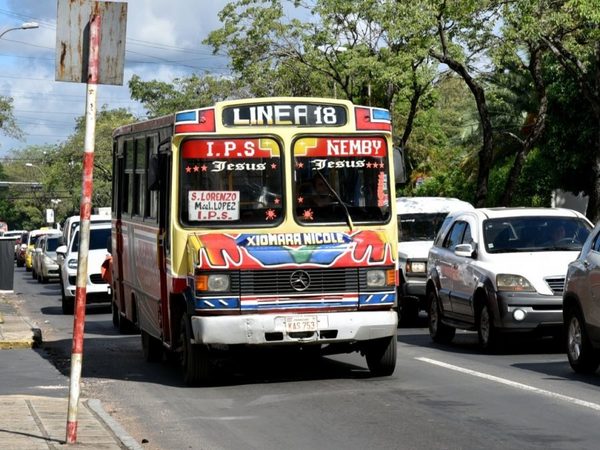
(97, 290)
(502, 270)
(419, 220)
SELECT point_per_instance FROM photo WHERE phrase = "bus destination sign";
(285, 114)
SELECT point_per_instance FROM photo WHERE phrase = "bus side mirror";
(399, 167)
(154, 173)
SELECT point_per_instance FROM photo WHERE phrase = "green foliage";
(8, 126)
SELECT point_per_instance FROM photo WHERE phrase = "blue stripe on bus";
(187, 116)
(380, 114)
(218, 303)
(376, 299)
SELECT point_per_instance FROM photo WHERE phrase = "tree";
(8, 126)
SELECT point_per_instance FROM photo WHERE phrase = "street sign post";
(90, 48)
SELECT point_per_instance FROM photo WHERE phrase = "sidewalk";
(39, 422)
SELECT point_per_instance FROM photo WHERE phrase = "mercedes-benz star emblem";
(300, 280)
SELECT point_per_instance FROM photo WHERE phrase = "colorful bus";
(257, 222)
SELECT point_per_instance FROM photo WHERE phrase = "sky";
(164, 41)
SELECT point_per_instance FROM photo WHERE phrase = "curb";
(130, 443)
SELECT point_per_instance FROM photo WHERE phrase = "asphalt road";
(440, 397)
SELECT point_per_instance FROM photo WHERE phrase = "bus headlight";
(216, 282)
(376, 278)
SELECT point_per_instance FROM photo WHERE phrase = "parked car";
(72, 222)
(45, 265)
(22, 249)
(502, 270)
(581, 307)
(16, 234)
(97, 290)
(419, 220)
(32, 238)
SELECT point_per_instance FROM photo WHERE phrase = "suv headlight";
(513, 283)
(416, 267)
(72, 264)
(216, 282)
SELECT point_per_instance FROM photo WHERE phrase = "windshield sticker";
(213, 205)
(229, 148)
(340, 147)
(382, 197)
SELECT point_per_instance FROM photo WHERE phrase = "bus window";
(233, 181)
(338, 174)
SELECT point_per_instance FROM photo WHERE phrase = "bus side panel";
(145, 276)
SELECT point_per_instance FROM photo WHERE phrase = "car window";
(419, 227)
(534, 234)
(98, 239)
(596, 245)
(455, 235)
(52, 244)
(467, 236)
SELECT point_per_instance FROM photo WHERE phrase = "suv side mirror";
(61, 250)
(465, 250)
(399, 167)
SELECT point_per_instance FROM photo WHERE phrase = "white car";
(502, 270)
(97, 290)
(45, 265)
(419, 220)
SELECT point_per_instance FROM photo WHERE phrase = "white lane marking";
(50, 388)
(524, 387)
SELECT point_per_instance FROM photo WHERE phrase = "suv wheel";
(486, 331)
(582, 356)
(439, 332)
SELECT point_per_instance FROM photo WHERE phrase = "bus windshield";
(340, 176)
(231, 182)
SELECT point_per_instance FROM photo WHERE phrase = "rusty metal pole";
(84, 229)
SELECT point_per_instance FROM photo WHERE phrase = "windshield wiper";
(339, 199)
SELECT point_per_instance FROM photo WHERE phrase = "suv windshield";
(52, 244)
(419, 227)
(534, 234)
(231, 182)
(337, 177)
(98, 239)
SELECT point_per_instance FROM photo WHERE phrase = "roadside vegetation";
(494, 102)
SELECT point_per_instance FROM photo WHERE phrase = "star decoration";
(204, 168)
(277, 201)
(381, 166)
(273, 166)
(188, 169)
(308, 214)
(368, 165)
(300, 200)
(196, 168)
(299, 165)
(270, 214)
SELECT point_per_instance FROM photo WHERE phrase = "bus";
(257, 222)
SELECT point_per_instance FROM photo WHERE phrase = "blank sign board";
(72, 40)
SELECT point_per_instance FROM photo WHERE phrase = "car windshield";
(419, 227)
(534, 234)
(52, 244)
(98, 239)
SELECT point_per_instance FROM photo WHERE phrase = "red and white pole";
(84, 228)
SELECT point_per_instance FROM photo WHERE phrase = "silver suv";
(501, 270)
(581, 307)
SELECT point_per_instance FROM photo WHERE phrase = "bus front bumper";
(273, 329)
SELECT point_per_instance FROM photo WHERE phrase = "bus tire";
(381, 356)
(195, 358)
(152, 347)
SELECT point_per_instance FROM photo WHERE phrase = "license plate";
(300, 323)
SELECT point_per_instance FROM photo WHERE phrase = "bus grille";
(278, 282)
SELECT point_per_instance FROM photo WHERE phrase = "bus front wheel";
(381, 356)
(195, 359)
